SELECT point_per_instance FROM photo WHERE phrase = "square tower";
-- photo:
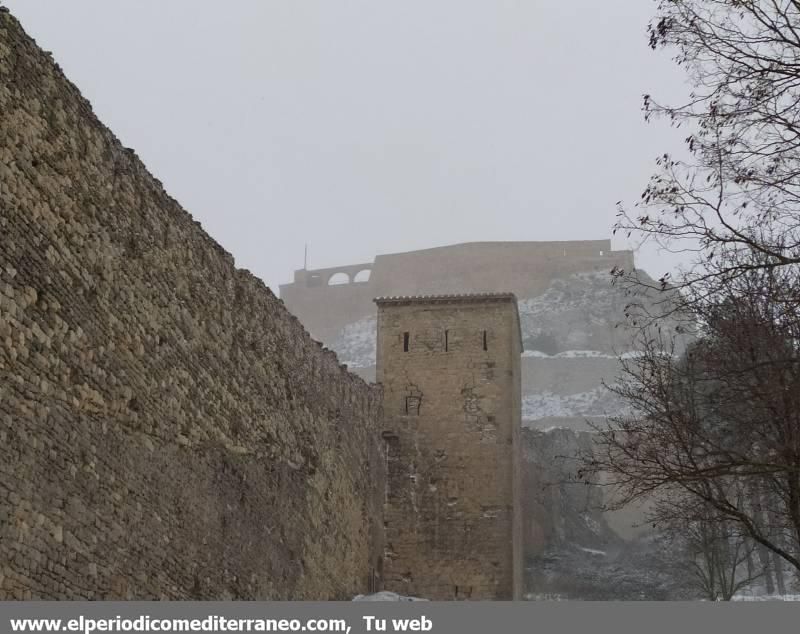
(450, 370)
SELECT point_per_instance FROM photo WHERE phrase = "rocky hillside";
(560, 510)
(582, 312)
(572, 552)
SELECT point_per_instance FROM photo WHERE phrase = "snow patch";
(580, 354)
(537, 354)
(597, 402)
(385, 595)
(767, 597)
(355, 343)
(592, 551)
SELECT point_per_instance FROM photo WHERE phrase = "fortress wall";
(167, 428)
(524, 268)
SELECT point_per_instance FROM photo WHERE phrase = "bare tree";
(736, 192)
(713, 431)
(709, 551)
(718, 425)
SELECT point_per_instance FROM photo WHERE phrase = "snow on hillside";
(355, 343)
(580, 354)
(579, 312)
(597, 402)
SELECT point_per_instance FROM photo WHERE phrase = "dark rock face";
(559, 509)
(571, 551)
(167, 428)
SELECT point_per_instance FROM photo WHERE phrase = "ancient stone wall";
(450, 372)
(167, 428)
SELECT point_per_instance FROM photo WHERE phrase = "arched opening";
(362, 276)
(338, 278)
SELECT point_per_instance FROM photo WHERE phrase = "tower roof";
(446, 298)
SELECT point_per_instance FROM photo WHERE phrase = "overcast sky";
(374, 126)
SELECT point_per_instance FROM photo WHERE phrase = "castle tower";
(450, 370)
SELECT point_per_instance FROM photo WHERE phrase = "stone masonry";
(450, 369)
(167, 428)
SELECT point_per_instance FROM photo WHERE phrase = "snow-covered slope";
(598, 402)
(355, 343)
(582, 312)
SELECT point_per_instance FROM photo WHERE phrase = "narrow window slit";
(485, 343)
(405, 342)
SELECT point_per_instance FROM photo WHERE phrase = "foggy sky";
(374, 126)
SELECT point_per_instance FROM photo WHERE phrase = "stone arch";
(363, 275)
(338, 278)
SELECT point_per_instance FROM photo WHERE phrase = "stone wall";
(452, 408)
(167, 428)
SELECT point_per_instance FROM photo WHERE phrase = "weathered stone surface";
(168, 429)
(450, 372)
